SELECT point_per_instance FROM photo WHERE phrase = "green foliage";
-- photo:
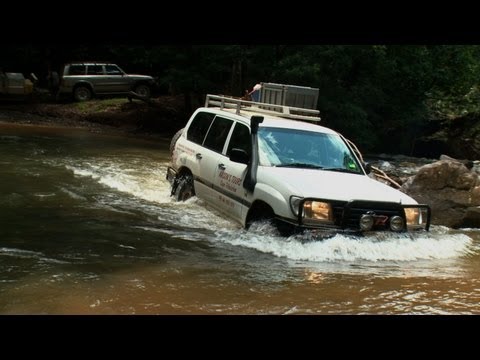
(379, 96)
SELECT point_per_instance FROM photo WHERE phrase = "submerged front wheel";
(185, 189)
(261, 213)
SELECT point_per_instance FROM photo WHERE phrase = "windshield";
(304, 149)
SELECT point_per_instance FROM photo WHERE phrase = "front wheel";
(185, 189)
(262, 215)
(142, 90)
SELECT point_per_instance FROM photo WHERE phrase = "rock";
(472, 217)
(451, 189)
(468, 163)
(475, 194)
(444, 173)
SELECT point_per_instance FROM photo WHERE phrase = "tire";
(266, 214)
(185, 189)
(82, 93)
(174, 140)
(142, 90)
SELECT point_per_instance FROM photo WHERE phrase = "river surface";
(87, 226)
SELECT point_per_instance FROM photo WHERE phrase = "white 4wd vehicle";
(249, 162)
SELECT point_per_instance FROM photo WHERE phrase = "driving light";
(366, 222)
(396, 223)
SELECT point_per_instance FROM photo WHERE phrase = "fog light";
(396, 223)
(366, 222)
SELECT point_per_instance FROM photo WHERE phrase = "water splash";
(381, 247)
(144, 182)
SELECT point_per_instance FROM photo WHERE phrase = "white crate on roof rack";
(289, 95)
(244, 106)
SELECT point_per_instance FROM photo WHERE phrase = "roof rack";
(289, 112)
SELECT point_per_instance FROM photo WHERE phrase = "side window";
(217, 134)
(199, 127)
(240, 139)
(112, 70)
(76, 70)
(95, 70)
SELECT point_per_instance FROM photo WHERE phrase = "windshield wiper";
(341, 170)
(301, 165)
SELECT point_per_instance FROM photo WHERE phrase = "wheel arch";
(260, 210)
(141, 82)
(257, 211)
(175, 138)
(184, 171)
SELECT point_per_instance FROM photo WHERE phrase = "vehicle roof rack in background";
(288, 112)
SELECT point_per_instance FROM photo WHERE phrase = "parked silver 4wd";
(86, 79)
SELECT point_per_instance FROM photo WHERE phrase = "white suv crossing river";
(252, 161)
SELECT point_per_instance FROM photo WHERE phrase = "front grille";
(347, 214)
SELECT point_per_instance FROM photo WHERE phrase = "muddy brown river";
(87, 226)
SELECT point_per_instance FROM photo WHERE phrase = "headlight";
(417, 217)
(413, 216)
(317, 211)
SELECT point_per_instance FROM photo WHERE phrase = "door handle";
(221, 166)
(198, 156)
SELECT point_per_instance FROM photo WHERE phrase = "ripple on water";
(27, 254)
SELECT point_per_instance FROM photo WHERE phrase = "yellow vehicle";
(13, 85)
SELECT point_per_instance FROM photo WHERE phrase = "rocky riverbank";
(162, 117)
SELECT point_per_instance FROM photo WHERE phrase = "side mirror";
(239, 156)
(368, 167)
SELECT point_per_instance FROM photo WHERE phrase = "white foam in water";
(27, 254)
(19, 252)
(147, 183)
(72, 194)
(195, 215)
(348, 248)
(83, 172)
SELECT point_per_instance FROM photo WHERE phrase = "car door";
(229, 175)
(115, 79)
(190, 151)
(96, 76)
(211, 157)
